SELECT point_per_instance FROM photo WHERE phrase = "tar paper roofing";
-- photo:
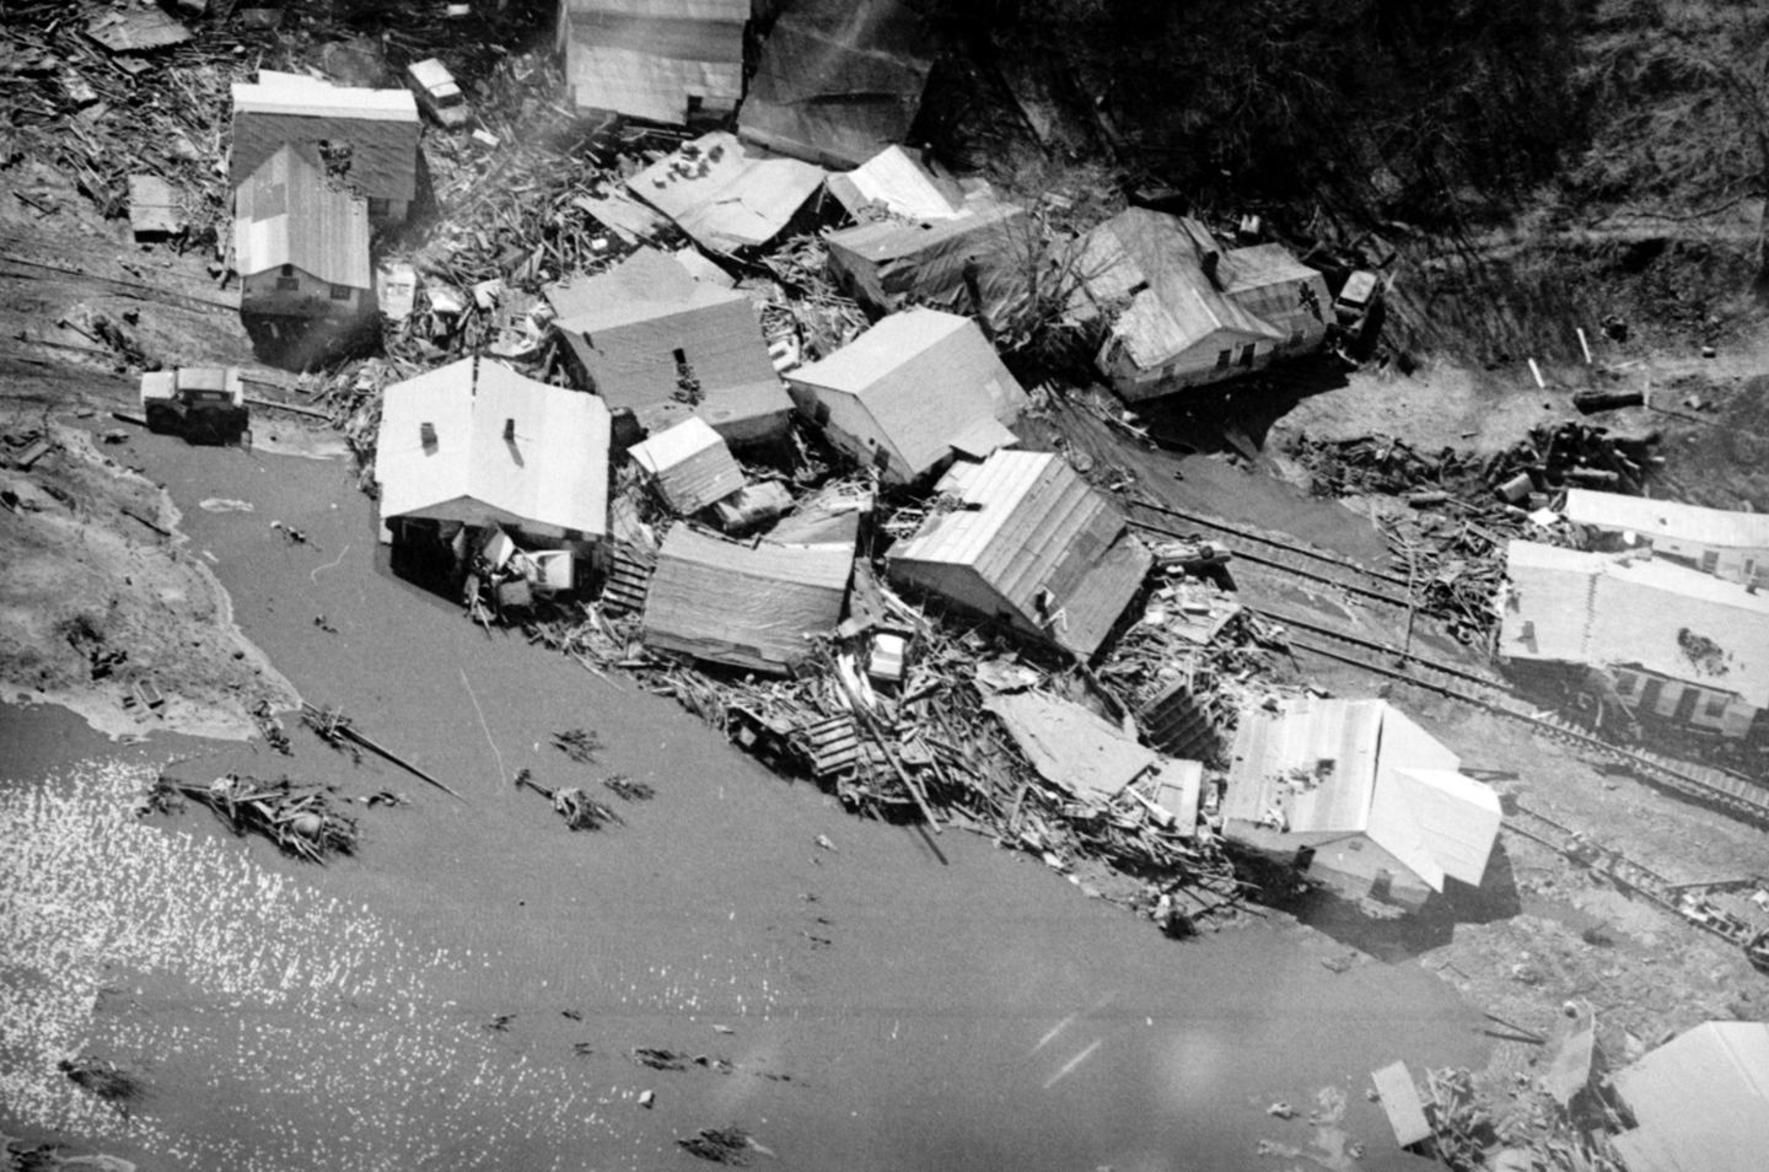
(1651, 518)
(506, 450)
(645, 58)
(1032, 526)
(690, 465)
(647, 284)
(381, 127)
(287, 213)
(1701, 1101)
(1606, 611)
(749, 605)
(725, 195)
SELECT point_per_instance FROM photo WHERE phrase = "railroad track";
(1250, 546)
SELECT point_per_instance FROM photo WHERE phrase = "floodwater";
(465, 992)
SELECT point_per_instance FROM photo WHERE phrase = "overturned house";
(301, 247)
(473, 446)
(654, 341)
(1030, 544)
(665, 61)
(363, 139)
(836, 80)
(1359, 799)
(1699, 1102)
(911, 394)
(725, 195)
(1181, 311)
(752, 605)
(1651, 638)
(1729, 545)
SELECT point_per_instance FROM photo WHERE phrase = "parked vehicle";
(204, 404)
(437, 93)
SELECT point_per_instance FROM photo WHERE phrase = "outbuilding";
(665, 61)
(301, 244)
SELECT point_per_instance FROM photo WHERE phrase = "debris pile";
(721, 1145)
(580, 811)
(300, 820)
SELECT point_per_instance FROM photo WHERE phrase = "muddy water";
(427, 1004)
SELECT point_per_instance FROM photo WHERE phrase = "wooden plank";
(1400, 1099)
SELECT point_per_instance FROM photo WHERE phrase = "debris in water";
(298, 819)
(104, 1079)
(730, 1145)
(1281, 1110)
(580, 811)
(581, 745)
(647, 1099)
(630, 790)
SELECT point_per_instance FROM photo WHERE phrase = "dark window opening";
(427, 435)
(340, 292)
(1222, 357)
(287, 284)
(1247, 354)
(288, 270)
(1715, 707)
(1139, 287)
(378, 206)
(1710, 560)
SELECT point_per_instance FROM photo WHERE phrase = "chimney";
(509, 431)
(1211, 257)
(427, 433)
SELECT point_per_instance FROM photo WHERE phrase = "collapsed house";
(1031, 544)
(1733, 546)
(301, 247)
(752, 605)
(655, 342)
(1181, 311)
(727, 196)
(667, 61)
(1700, 1101)
(473, 449)
(836, 80)
(364, 139)
(1654, 638)
(911, 394)
(945, 243)
(1358, 798)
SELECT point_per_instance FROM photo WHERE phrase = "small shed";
(745, 605)
(912, 392)
(365, 139)
(689, 465)
(980, 260)
(474, 443)
(1701, 1101)
(1729, 545)
(838, 79)
(155, 210)
(725, 195)
(1033, 545)
(653, 340)
(1358, 797)
(301, 243)
(667, 61)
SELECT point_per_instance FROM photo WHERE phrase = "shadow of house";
(1032, 545)
(1358, 799)
(659, 345)
(1183, 312)
(473, 446)
(664, 61)
(911, 394)
(301, 247)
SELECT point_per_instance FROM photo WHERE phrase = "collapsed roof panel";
(660, 60)
(838, 79)
(725, 195)
(1071, 747)
(379, 127)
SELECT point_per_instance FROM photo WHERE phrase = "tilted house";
(725, 195)
(747, 605)
(1729, 545)
(649, 337)
(301, 243)
(1359, 797)
(1672, 642)
(474, 444)
(366, 139)
(836, 80)
(979, 260)
(1700, 1101)
(1182, 310)
(665, 61)
(1033, 545)
(690, 466)
(907, 396)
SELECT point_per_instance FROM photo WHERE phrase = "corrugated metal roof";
(1652, 518)
(1701, 1101)
(1576, 607)
(548, 472)
(286, 109)
(1035, 527)
(286, 213)
(1315, 760)
(724, 194)
(745, 605)
(690, 464)
(644, 58)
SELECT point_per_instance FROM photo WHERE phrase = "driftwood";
(336, 729)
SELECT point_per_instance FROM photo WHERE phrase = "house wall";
(267, 293)
(1750, 566)
(1353, 867)
(962, 587)
(1656, 696)
(1200, 365)
(851, 428)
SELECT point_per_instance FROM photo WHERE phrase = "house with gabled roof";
(476, 445)
(912, 393)
(654, 341)
(364, 139)
(666, 61)
(1182, 311)
(301, 244)
(1031, 544)
(1727, 544)
(1357, 797)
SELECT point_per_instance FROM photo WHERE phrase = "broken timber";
(335, 725)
